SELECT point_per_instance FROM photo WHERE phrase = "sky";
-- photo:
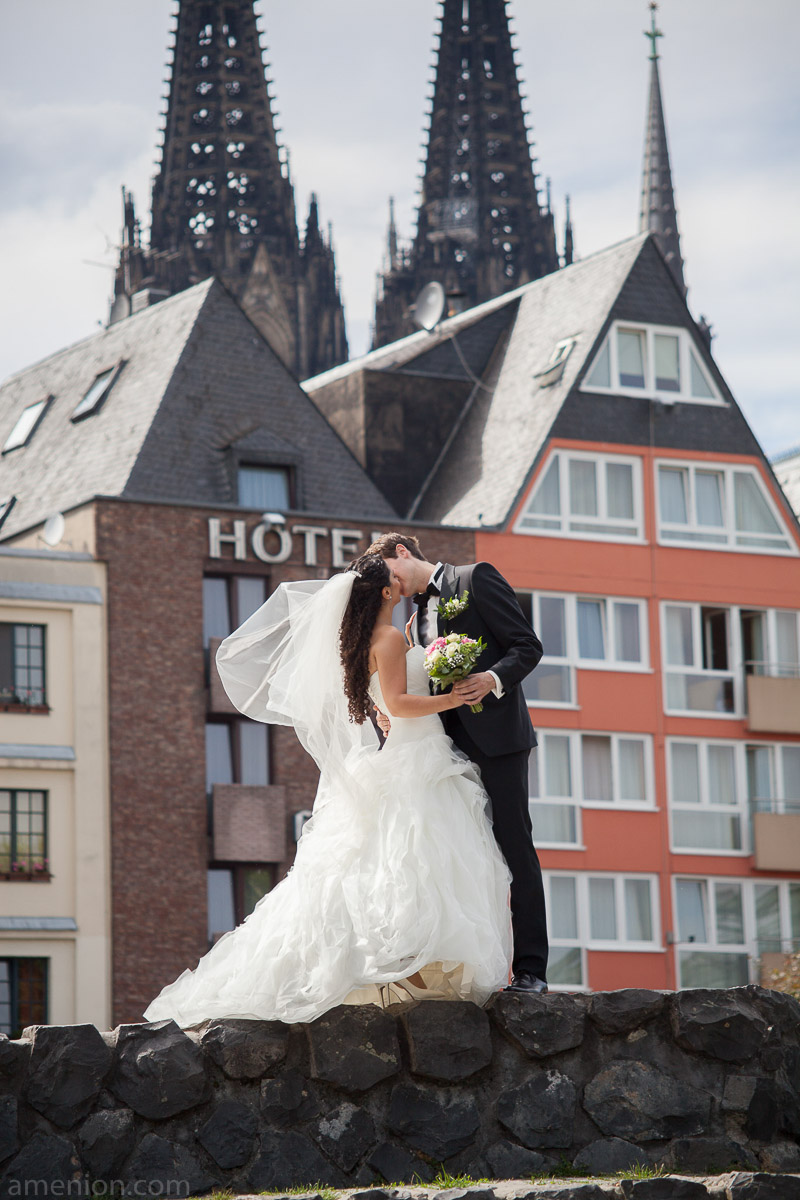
(81, 83)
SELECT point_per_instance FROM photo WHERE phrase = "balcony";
(776, 835)
(773, 698)
(249, 823)
(218, 702)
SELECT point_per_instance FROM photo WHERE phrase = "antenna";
(53, 530)
(427, 309)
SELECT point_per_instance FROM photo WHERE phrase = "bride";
(398, 888)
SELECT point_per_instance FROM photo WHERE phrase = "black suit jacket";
(512, 651)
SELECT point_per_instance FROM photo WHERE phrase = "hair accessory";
(353, 571)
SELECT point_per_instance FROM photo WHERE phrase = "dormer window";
(656, 361)
(264, 487)
(26, 424)
(97, 393)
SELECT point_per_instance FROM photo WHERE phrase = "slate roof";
(198, 383)
(486, 462)
(787, 471)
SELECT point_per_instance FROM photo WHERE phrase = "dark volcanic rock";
(398, 1166)
(46, 1158)
(436, 1122)
(159, 1070)
(625, 1010)
(14, 1057)
(635, 1101)
(288, 1099)
(609, 1155)
(541, 1112)
(8, 1126)
(67, 1067)
(720, 1024)
(667, 1187)
(447, 1041)
(781, 1156)
(507, 1160)
(246, 1049)
(291, 1160)
(541, 1025)
(757, 1186)
(707, 1156)
(354, 1047)
(105, 1140)
(345, 1134)
(229, 1133)
(164, 1170)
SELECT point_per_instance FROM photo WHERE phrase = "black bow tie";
(422, 597)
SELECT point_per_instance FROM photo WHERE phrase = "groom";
(498, 739)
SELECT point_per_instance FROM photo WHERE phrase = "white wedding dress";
(397, 874)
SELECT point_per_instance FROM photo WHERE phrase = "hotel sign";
(271, 541)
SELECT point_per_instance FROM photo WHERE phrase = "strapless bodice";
(408, 728)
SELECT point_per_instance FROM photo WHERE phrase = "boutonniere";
(448, 609)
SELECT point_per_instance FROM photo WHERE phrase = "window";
(228, 600)
(657, 361)
(26, 424)
(233, 892)
(597, 912)
(237, 752)
(771, 642)
(725, 925)
(264, 488)
(586, 496)
(698, 653)
(23, 994)
(773, 778)
(22, 665)
(97, 393)
(571, 770)
(23, 834)
(706, 795)
(590, 632)
(718, 506)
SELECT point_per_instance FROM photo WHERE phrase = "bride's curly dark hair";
(355, 632)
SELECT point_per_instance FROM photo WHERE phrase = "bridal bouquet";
(452, 657)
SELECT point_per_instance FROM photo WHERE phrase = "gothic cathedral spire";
(223, 203)
(481, 229)
(657, 211)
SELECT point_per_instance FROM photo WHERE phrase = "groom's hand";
(475, 687)
(384, 724)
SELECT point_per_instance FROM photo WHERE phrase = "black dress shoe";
(526, 981)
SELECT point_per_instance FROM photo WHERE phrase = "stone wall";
(700, 1081)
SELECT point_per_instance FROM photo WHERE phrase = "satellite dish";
(53, 530)
(427, 309)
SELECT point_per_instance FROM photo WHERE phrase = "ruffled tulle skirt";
(397, 876)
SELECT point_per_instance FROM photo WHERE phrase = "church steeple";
(481, 228)
(657, 212)
(223, 202)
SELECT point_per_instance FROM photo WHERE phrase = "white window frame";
(19, 436)
(778, 801)
(572, 660)
(79, 413)
(772, 665)
(750, 945)
(741, 808)
(719, 537)
(565, 517)
(734, 671)
(628, 945)
(584, 941)
(650, 391)
(577, 799)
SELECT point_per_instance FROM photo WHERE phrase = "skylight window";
(97, 393)
(654, 361)
(25, 425)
